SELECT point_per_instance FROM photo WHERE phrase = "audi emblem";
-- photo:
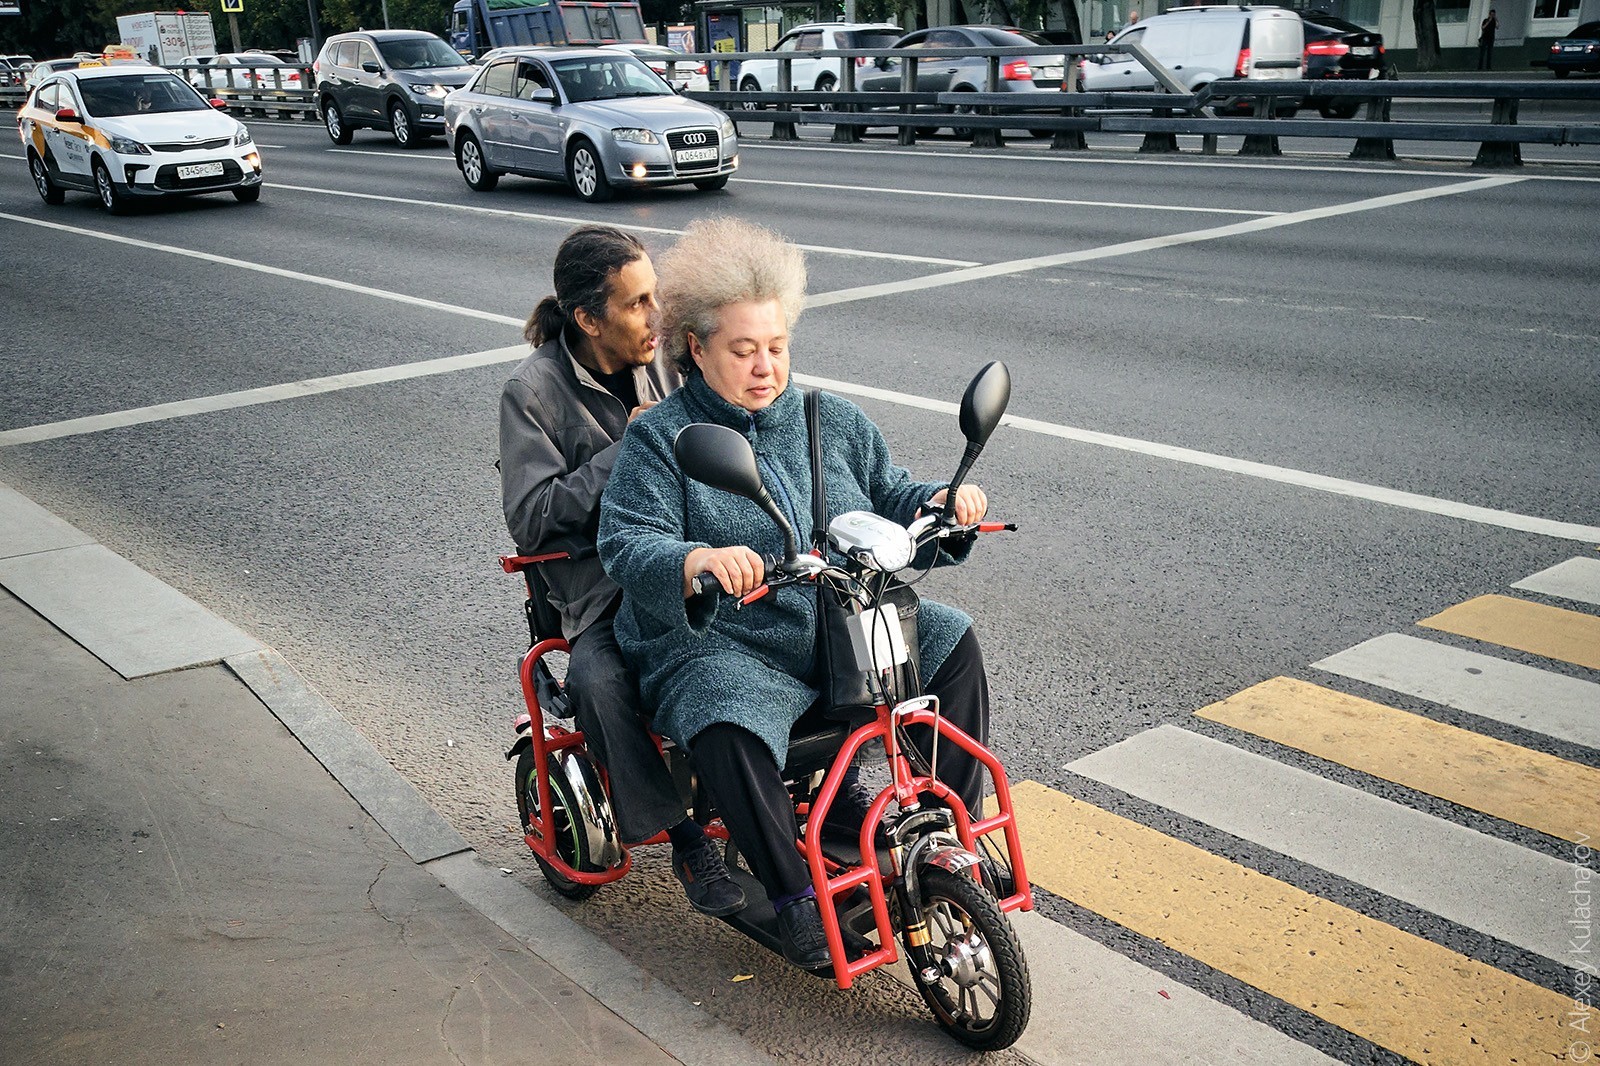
(696, 138)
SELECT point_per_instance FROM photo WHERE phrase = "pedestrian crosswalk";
(1400, 991)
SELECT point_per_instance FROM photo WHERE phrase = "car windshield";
(420, 53)
(605, 78)
(139, 94)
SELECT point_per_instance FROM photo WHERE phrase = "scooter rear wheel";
(983, 995)
(569, 842)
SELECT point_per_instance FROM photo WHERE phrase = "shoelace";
(704, 865)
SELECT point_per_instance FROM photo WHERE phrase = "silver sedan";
(594, 118)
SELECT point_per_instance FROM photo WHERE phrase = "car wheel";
(111, 198)
(965, 133)
(333, 118)
(826, 84)
(469, 157)
(712, 184)
(49, 191)
(247, 194)
(586, 174)
(1339, 110)
(1561, 73)
(750, 85)
(405, 135)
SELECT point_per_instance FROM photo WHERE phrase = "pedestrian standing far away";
(1486, 33)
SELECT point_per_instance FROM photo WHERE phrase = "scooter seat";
(816, 738)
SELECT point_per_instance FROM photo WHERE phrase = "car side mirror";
(882, 62)
(220, 105)
(722, 458)
(680, 87)
(66, 114)
(543, 96)
(372, 68)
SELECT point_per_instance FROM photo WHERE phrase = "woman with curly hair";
(728, 685)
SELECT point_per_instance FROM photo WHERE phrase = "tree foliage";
(49, 28)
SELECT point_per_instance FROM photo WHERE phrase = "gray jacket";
(559, 434)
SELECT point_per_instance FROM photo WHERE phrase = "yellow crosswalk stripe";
(1397, 990)
(1554, 632)
(1530, 788)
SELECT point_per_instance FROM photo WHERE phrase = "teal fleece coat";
(748, 667)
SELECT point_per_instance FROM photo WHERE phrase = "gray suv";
(393, 80)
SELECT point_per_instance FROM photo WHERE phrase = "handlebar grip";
(705, 583)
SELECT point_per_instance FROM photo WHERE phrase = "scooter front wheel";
(977, 984)
(569, 841)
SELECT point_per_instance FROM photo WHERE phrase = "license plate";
(1048, 72)
(1363, 51)
(200, 170)
(695, 155)
(1572, 48)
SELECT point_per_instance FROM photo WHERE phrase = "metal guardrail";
(1171, 113)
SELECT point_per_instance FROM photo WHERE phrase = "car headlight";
(127, 146)
(635, 136)
(435, 91)
(728, 132)
(242, 137)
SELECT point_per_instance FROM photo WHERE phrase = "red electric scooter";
(925, 874)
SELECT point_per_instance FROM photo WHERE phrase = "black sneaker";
(804, 942)
(706, 881)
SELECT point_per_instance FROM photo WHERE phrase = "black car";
(1336, 48)
(1579, 50)
(393, 80)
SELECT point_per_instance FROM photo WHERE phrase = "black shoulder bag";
(846, 688)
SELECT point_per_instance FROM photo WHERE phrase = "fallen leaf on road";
(743, 977)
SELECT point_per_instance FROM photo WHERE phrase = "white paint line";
(1093, 159)
(1092, 1004)
(1298, 478)
(1148, 244)
(1494, 886)
(1121, 204)
(266, 394)
(293, 275)
(1567, 708)
(567, 220)
(1575, 579)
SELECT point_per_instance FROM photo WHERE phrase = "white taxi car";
(124, 132)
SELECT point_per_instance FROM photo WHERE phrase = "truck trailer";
(479, 25)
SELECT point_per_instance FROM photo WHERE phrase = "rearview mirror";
(982, 407)
(720, 457)
(543, 96)
(220, 105)
(371, 67)
(66, 114)
(985, 402)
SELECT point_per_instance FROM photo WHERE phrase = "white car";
(687, 76)
(807, 74)
(124, 132)
(256, 71)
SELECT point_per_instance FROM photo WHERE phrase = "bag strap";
(819, 492)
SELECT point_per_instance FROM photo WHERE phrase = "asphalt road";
(1419, 327)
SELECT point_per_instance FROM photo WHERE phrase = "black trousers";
(747, 787)
(1485, 55)
(606, 706)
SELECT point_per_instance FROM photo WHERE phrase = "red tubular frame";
(905, 786)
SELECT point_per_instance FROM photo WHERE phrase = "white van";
(1201, 45)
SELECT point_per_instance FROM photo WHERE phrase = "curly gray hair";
(724, 261)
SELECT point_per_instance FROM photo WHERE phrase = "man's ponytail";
(546, 322)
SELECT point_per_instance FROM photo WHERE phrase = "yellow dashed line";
(1527, 787)
(1570, 636)
(1397, 990)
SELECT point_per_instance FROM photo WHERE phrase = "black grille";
(678, 140)
(191, 146)
(167, 177)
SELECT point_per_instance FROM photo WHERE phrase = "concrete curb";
(33, 546)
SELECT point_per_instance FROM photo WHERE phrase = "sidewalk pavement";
(185, 883)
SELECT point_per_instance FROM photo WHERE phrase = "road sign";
(233, 7)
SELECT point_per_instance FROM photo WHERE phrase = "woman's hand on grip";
(971, 504)
(739, 570)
